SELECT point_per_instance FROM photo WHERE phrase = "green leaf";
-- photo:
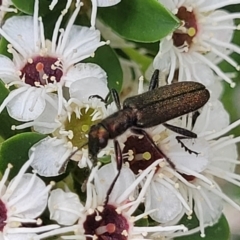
(27, 6)
(3, 48)
(218, 231)
(139, 20)
(107, 59)
(15, 151)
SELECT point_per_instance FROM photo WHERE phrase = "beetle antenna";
(119, 162)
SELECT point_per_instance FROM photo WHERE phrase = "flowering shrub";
(79, 162)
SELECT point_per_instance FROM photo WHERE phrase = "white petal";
(229, 152)
(82, 41)
(87, 87)
(104, 178)
(168, 4)
(180, 157)
(18, 236)
(27, 105)
(64, 207)
(50, 157)
(82, 71)
(166, 203)
(20, 29)
(8, 71)
(200, 72)
(216, 89)
(209, 3)
(107, 3)
(213, 117)
(47, 122)
(162, 61)
(30, 194)
(218, 33)
(211, 209)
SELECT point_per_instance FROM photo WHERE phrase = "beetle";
(156, 106)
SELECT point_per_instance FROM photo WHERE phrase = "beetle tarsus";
(179, 139)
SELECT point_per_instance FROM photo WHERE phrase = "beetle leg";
(96, 96)
(179, 138)
(186, 135)
(119, 162)
(142, 132)
(112, 93)
(154, 80)
(115, 98)
(180, 130)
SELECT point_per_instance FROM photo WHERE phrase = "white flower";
(52, 154)
(84, 80)
(100, 3)
(110, 204)
(39, 66)
(196, 47)
(192, 178)
(22, 201)
(64, 207)
(95, 4)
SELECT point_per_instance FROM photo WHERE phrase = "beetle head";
(97, 139)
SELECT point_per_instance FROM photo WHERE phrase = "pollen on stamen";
(70, 134)
(45, 76)
(147, 155)
(30, 60)
(176, 185)
(100, 208)
(156, 137)
(39, 221)
(9, 166)
(90, 211)
(191, 31)
(37, 84)
(124, 233)
(189, 8)
(53, 78)
(98, 218)
(162, 164)
(53, 67)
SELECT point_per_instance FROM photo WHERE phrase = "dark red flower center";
(140, 153)
(106, 225)
(3, 215)
(41, 71)
(185, 34)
